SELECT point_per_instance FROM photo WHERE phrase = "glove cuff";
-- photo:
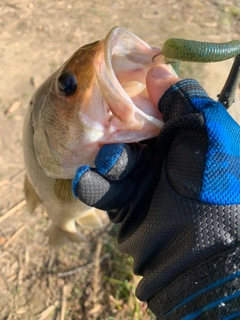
(211, 290)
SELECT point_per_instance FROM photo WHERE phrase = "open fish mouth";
(121, 74)
(97, 97)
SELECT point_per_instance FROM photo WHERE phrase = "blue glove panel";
(108, 156)
(223, 155)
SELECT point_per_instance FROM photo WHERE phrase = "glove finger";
(115, 162)
(111, 161)
(96, 191)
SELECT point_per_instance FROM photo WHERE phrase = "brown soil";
(36, 37)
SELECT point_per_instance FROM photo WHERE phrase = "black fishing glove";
(177, 199)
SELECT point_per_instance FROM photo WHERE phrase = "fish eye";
(67, 84)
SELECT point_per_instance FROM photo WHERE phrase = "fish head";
(97, 97)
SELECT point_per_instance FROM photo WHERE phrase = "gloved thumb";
(158, 80)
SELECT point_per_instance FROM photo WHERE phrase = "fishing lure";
(175, 50)
(197, 51)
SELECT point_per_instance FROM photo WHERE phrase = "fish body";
(97, 97)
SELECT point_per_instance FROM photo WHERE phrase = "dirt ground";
(78, 281)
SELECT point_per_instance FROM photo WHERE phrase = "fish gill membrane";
(97, 97)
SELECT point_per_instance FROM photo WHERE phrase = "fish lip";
(135, 57)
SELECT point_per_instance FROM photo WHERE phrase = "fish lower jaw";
(106, 126)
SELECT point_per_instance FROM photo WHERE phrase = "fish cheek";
(47, 161)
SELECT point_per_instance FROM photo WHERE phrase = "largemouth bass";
(97, 97)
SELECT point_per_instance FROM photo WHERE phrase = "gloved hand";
(177, 199)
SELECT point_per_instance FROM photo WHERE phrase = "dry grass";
(88, 281)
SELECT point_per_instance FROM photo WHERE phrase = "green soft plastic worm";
(197, 51)
(175, 50)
